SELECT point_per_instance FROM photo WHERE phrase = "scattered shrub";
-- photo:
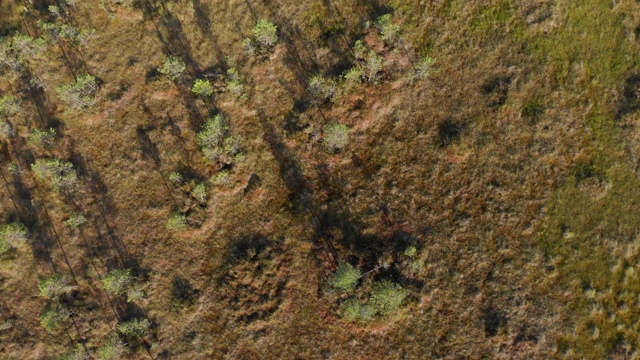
(9, 105)
(113, 350)
(177, 222)
(221, 178)
(373, 67)
(218, 145)
(410, 251)
(202, 87)
(248, 46)
(53, 317)
(234, 84)
(12, 235)
(353, 77)
(176, 178)
(75, 220)
(345, 278)
(78, 353)
(423, 68)
(79, 94)
(135, 327)
(265, 32)
(43, 138)
(200, 193)
(6, 130)
(353, 310)
(322, 88)
(359, 50)
(335, 136)
(118, 282)
(60, 173)
(387, 297)
(55, 286)
(388, 30)
(173, 67)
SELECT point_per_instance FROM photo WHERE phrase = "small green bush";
(173, 67)
(6, 130)
(53, 317)
(60, 173)
(220, 178)
(388, 30)
(79, 94)
(200, 193)
(265, 32)
(202, 87)
(373, 66)
(43, 138)
(234, 84)
(387, 297)
(322, 88)
(410, 251)
(113, 350)
(76, 220)
(345, 278)
(135, 327)
(177, 222)
(176, 178)
(335, 136)
(423, 68)
(78, 353)
(9, 105)
(117, 282)
(217, 143)
(55, 286)
(353, 77)
(359, 50)
(12, 235)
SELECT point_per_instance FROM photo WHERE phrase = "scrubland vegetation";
(353, 179)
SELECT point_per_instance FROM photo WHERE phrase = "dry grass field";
(456, 180)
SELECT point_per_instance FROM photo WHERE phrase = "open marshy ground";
(319, 180)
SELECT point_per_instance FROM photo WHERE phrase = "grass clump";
(55, 286)
(79, 94)
(386, 296)
(335, 137)
(60, 173)
(202, 87)
(345, 278)
(172, 67)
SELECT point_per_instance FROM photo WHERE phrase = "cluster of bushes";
(59, 173)
(11, 236)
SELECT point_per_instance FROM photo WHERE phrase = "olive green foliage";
(220, 178)
(79, 94)
(176, 178)
(249, 47)
(113, 350)
(410, 251)
(135, 327)
(76, 220)
(12, 235)
(17, 50)
(372, 67)
(43, 138)
(234, 83)
(78, 353)
(202, 87)
(54, 10)
(117, 282)
(65, 32)
(9, 106)
(55, 286)
(387, 297)
(388, 30)
(423, 68)
(217, 143)
(200, 193)
(359, 50)
(322, 88)
(265, 32)
(60, 173)
(177, 222)
(54, 316)
(353, 310)
(353, 77)
(6, 130)
(345, 278)
(335, 136)
(173, 67)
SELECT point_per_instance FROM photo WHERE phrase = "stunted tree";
(43, 138)
(172, 67)
(322, 88)
(55, 286)
(345, 278)
(135, 327)
(387, 297)
(202, 87)
(54, 316)
(217, 143)
(59, 173)
(120, 282)
(9, 106)
(12, 235)
(389, 31)
(265, 32)
(335, 136)
(79, 94)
